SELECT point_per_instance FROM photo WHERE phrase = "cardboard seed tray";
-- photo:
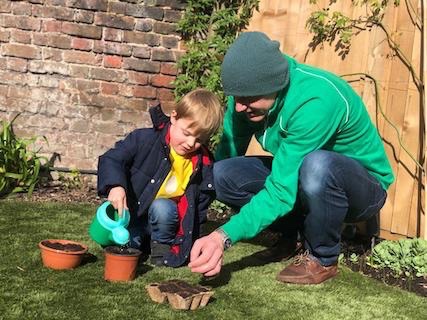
(179, 294)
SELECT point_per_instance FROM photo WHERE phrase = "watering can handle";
(125, 213)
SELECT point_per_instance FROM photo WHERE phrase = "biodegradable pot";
(61, 254)
(120, 263)
(180, 294)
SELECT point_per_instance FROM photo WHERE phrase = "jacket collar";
(158, 117)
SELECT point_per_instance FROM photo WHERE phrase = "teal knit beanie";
(253, 66)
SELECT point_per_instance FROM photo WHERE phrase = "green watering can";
(107, 228)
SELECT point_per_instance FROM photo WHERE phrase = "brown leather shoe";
(283, 250)
(305, 269)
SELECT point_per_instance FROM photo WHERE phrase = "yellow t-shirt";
(177, 180)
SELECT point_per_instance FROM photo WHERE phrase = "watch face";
(227, 243)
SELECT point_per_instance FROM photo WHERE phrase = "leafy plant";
(406, 256)
(219, 207)
(19, 166)
(208, 28)
(354, 258)
(71, 181)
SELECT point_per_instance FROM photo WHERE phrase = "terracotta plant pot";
(120, 263)
(61, 254)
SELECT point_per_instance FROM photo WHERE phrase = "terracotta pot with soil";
(120, 263)
(62, 254)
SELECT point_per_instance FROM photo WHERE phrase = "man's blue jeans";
(159, 226)
(332, 189)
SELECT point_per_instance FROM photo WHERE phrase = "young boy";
(163, 175)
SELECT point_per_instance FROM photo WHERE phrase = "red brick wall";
(83, 73)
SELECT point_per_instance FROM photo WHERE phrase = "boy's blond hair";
(204, 108)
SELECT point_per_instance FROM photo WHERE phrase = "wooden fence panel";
(285, 21)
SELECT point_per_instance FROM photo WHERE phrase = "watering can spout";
(107, 228)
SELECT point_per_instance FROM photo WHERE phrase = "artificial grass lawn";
(244, 290)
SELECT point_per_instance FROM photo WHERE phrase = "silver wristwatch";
(225, 238)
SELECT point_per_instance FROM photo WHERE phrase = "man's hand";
(117, 197)
(207, 254)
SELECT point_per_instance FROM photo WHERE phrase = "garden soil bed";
(360, 247)
(56, 193)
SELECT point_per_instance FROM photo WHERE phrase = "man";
(329, 165)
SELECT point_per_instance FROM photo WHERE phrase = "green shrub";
(19, 166)
(208, 28)
(406, 256)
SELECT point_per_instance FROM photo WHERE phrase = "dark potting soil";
(181, 288)
(70, 247)
(123, 250)
(362, 248)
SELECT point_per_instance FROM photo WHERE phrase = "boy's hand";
(117, 197)
(207, 254)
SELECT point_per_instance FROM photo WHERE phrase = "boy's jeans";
(162, 224)
(332, 189)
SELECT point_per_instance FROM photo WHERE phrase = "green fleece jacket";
(317, 110)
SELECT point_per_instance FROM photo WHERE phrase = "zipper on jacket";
(265, 130)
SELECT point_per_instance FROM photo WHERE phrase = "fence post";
(424, 99)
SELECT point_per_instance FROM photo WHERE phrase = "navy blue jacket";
(140, 164)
